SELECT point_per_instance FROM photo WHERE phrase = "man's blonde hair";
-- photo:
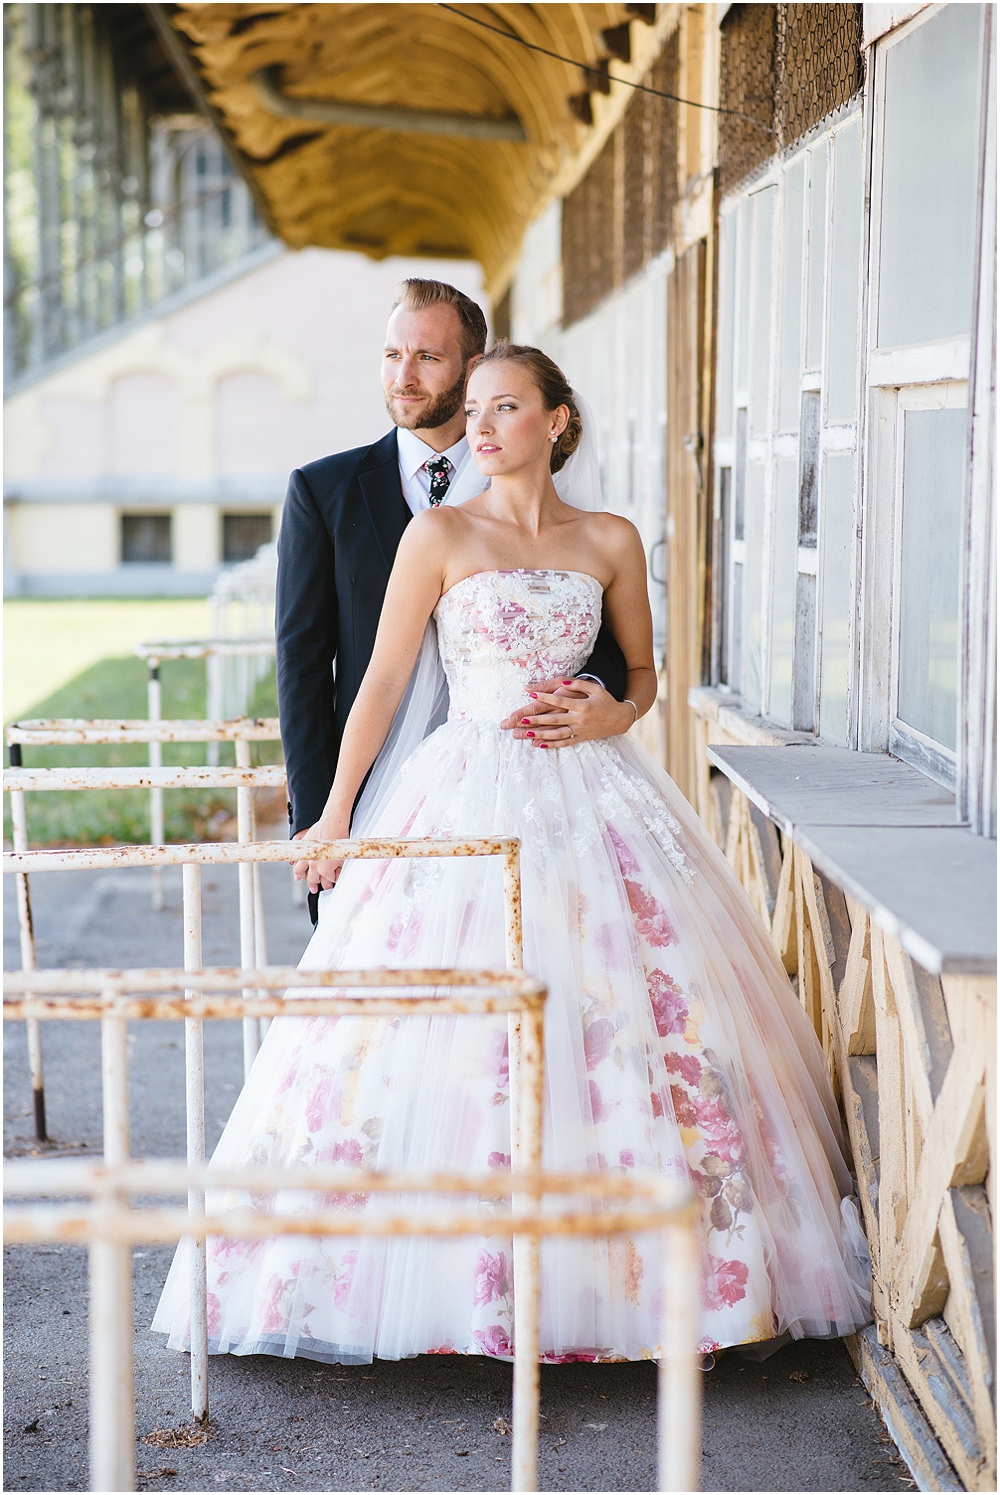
(416, 295)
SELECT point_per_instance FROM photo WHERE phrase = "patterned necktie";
(440, 470)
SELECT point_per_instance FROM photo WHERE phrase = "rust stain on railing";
(73, 731)
(268, 776)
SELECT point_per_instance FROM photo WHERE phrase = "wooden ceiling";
(390, 191)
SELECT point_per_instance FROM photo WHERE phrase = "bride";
(673, 1038)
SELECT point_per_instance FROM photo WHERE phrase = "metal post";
(154, 711)
(248, 938)
(527, 1081)
(259, 928)
(678, 1412)
(194, 1075)
(512, 908)
(112, 1446)
(26, 928)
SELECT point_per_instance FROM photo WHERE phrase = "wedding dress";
(673, 1042)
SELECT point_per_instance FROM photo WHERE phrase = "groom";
(342, 521)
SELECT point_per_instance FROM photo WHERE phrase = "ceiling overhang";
(408, 129)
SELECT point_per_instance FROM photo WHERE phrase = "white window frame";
(932, 375)
(905, 741)
(774, 446)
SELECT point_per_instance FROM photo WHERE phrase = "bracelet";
(634, 707)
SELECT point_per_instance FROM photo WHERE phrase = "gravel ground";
(798, 1421)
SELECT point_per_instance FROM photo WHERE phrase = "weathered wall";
(196, 413)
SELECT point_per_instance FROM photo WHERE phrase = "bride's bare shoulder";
(612, 529)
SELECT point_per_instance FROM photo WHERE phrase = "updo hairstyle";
(553, 387)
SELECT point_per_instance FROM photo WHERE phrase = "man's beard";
(442, 408)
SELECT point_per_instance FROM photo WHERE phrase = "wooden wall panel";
(913, 1057)
(686, 506)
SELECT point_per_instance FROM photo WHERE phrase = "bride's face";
(507, 424)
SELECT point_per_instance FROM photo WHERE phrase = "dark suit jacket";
(342, 521)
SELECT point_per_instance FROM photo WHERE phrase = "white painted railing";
(596, 1206)
(71, 732)
(244, 779)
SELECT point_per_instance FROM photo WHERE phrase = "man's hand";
(319, 875)
(564, 711)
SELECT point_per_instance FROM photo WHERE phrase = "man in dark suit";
(341, 523)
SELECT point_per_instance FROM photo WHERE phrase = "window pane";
(845, 276)
(760, 309)
(835, 638)
(146, 539)
(817, 257)
(786, 526)
(791, 299)
(931, 148)
(753, 589)
(740, 476)
(734, 677)
(727, 312)
(744, 260)
(933, 479)
(243, 535)
(725, 551)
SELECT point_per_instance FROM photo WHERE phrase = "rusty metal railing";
(244, 779)
(596, 1206)
(247, 855)
(115, 996)
(214, 651)
(191, 858)
(69, 731)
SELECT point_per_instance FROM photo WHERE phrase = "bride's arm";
(413, 592)
(626, 611)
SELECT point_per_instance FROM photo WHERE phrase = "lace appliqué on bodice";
(499, 630)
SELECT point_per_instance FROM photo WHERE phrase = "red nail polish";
(543, 744)
(529, 734)
(525, 721)
(531, 693)
(567, 682)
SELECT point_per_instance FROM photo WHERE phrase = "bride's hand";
(563, 711)
(324, 874)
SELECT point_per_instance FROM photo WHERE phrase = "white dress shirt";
(413, 474)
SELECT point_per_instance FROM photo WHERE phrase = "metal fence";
(108, 1224)
(246, 854)
(112, 997)
(241, 731)
(18, 781)
(109, 1227)
(229, 695)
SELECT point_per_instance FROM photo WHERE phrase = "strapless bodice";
(499, 630)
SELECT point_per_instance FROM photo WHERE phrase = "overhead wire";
(589, 68)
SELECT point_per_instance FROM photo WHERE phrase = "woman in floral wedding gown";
(673, 1038)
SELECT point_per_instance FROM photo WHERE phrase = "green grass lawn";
(50, 641)
(116, 687)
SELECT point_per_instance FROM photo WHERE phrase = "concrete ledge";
(726, 709)
(124, 581)
(887, 835)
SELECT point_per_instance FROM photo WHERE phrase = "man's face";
(423, 370)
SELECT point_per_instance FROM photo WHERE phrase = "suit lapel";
(383, 495)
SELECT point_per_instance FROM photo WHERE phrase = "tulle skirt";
(674, 1042)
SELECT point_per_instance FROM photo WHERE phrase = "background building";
(168, 360)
